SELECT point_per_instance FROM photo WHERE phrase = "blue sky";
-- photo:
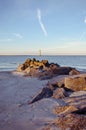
(54, 26)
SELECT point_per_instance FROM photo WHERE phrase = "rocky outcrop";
(76, 83)
(43, 69)
(60, 89)
(66, 90)
(70, 83)
(72, 115)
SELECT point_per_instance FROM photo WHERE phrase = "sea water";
(9, 63)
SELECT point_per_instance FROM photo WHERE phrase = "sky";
(56, 27)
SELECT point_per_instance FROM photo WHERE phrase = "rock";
(54, 68)
(54, 65)
(43, 69)
(34, 72)
(74, 72)
(33, 59)
(45, 62)
(38, 63)
(52, 86)
(71, 122)
(78, 93)
(59, 70)
(76, 83)
(64, 110)
(27, 70)
(45, 77)
(57, 82)
(78, 101)
(20, 68)
(45, 93)
(28, 61)
(60, 93)
(80, 111)
(60, 83)
(64, 70)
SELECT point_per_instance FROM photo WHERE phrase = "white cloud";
(40, 22)
(18, 35)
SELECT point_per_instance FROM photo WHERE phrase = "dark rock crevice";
(80, 111)
(44, 93)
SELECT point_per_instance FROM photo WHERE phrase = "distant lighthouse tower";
(40, 53)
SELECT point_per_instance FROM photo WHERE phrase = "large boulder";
(76, 83)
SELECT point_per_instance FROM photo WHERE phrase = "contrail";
(40, 22)
(85, 20)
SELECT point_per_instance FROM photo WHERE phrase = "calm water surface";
(12, 62)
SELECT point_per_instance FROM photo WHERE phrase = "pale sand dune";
(15, 90)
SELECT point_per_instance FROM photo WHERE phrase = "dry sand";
(15, 89)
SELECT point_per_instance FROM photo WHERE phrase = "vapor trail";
(85, 20)
(40, 22)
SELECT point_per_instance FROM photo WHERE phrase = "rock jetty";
(71, 114)
(43, 69)
(65, 85)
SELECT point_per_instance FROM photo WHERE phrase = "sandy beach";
(42, 96)
(15, 89)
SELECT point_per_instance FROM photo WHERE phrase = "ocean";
(9, 63)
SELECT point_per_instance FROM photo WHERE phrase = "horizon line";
(43, 55)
